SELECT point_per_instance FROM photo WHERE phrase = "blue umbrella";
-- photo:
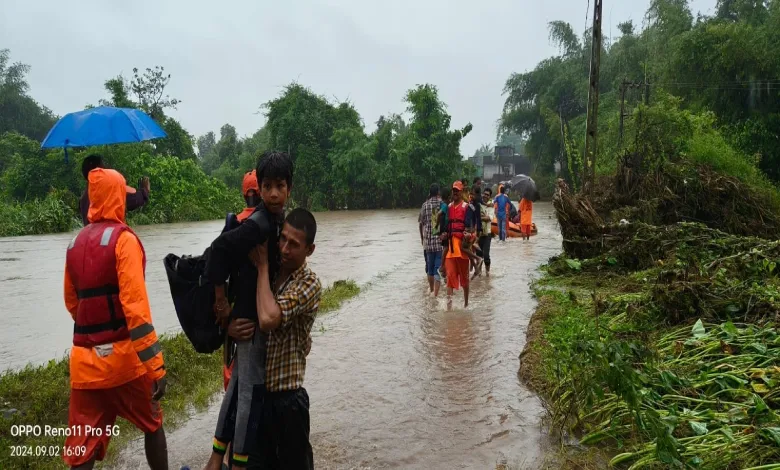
(103, 125)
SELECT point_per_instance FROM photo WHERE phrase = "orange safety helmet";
(250, 183)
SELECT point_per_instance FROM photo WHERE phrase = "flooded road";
(395, 380)
(37, 327)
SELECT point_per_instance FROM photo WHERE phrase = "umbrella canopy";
(525, 186)
(103, 125)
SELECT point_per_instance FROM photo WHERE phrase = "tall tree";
(147, 92)
(18, 111)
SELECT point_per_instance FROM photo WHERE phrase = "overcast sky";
(228, 57)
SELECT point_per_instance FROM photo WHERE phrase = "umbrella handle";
(66, 154)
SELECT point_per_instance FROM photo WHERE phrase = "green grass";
(41, 393)
(335, 295)
(612, 369)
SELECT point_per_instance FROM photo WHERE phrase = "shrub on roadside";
(51, 214)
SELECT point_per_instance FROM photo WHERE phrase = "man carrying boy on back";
(286, 313)
(239, 415)
(428, 221)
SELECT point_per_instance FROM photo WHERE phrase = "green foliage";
(710, 147)
(692, 396)
(726, 64)
(229, 158)
(338, 165)
(18, 111)
(181, 191)
(179, 142)
(42, 188)
(53, 213)
(147, 92)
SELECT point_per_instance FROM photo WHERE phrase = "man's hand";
(158, 389)
(241, 329)
(308, 346)
(259, 255)
(145, 184)
(222, 309)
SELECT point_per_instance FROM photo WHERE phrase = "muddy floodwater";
(395, 380)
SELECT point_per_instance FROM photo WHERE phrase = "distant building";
(502, 165)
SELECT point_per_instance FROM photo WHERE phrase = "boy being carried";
(239, 414)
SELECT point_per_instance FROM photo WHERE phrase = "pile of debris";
(675, 192)
(707, 238)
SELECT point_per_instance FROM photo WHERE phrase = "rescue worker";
(116, 363)
(459, 220)
(251, 192)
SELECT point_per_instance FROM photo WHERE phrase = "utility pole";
(591, 136)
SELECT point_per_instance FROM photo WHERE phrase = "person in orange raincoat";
(459, 219)
(526, 217)
(116, 363)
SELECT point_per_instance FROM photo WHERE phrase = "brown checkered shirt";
(299, 299)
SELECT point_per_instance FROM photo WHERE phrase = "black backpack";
(193, 297)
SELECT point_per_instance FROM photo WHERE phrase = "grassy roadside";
(40, 393)
(646, 378)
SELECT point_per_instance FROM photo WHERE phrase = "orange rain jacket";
(526, 211)
(121, 362)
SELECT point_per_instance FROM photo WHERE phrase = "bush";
(181, 191)
(48, 215)
(42, 188)
(709, 147)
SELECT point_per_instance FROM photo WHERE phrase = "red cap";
(457, 185)
(250, 183)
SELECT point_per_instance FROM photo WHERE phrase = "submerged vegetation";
(38, 395)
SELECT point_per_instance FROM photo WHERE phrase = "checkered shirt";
(299, 299)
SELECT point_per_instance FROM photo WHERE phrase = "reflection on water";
(395, 379)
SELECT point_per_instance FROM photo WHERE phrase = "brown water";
(395, 380)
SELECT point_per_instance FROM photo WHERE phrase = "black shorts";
(284, 439)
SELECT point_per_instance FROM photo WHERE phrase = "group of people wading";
(268, 309)
(456, 233)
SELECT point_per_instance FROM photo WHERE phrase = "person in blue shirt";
(502, 205)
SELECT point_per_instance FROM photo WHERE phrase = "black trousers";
(284, 439)
(484, 245)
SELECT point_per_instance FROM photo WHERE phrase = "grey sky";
(227, 58)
